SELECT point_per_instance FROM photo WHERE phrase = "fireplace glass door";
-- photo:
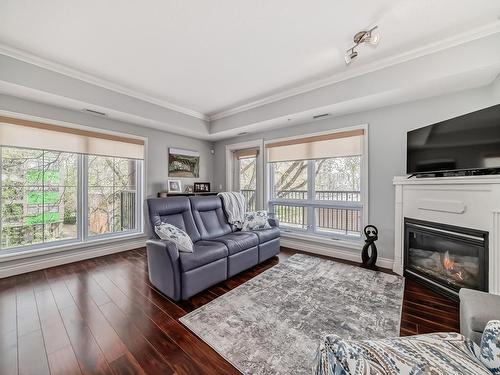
(453, 259)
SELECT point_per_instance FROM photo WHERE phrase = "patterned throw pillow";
(170, 232)
(255, 221)
(490, 347)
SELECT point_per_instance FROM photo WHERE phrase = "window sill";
(342, 243)
(15, 255)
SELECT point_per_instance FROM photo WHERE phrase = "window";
(51, 197)
(248, 176)
(245, 175)
(315, 184)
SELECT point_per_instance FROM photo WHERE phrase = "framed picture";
(183, 163)
(174, 186)
(201, 187)
(188, 188)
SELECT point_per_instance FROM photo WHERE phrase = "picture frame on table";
(174, 186)
(201, 187)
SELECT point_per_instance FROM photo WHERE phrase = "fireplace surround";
(468, 206)
(445, 257)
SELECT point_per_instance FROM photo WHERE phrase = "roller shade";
(37, 135)
(245, 154)
(340, 144)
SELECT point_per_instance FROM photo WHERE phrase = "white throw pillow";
(257, 220)
(170, 232)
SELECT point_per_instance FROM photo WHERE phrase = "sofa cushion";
(204, 252)
(267, 234)
(238, 241)
(209, 217)
(438, 353)
(175, 211)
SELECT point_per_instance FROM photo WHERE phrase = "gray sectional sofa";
(220, 251)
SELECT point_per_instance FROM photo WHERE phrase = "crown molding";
(77, 74)
(352, 72)
(478, 33)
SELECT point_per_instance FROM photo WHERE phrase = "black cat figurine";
(369, 261)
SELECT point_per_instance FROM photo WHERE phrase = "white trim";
(77, 74)
(260, 166)
(58, 258)
(354, 71)
(330, 248)
(351, 71)
(11, 254)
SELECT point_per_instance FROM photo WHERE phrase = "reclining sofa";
(219, 252)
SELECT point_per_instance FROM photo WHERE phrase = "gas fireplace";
(446, 258)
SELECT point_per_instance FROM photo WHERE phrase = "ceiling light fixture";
(365, 36)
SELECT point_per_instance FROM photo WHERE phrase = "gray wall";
(387, 145)
(157, 145)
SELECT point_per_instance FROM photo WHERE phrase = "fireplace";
(446, 258)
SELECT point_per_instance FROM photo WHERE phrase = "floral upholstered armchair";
(437, 353)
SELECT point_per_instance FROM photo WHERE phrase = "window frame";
(232, 164)
(82, 238)
(310, 203)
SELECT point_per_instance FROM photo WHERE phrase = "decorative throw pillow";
(170, 232)
(255, 221)
(489, 353)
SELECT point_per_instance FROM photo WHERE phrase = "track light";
(365, 36)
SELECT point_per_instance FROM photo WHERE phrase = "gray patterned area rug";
(273, 323)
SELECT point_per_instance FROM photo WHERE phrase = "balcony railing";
(250, 198)
(321, 195)
(344, 217)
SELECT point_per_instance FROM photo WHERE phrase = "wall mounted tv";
(465, 145)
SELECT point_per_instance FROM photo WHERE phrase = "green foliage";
(47, 197)
(49, 217)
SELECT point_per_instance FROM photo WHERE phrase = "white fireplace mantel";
(472, 202)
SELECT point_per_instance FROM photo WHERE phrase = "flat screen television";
(465, 145)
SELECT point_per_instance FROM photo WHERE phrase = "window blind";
(245, 154)
(31, 134)
(339, 144)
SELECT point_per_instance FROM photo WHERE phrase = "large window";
(315, 184)
(54, 197)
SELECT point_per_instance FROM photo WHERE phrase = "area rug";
(273, 323)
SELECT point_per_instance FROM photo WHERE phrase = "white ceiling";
(210, 56)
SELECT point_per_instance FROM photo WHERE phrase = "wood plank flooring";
(102, 316)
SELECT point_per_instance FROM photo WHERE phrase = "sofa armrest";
(274, 222)
(164, 267)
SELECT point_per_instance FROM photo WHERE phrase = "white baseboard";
(20, 266)
(330, 251)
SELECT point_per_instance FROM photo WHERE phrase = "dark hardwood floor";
(102, 316)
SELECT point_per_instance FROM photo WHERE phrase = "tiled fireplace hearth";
(447, 232)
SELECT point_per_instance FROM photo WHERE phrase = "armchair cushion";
(438, 353)
(204, 252)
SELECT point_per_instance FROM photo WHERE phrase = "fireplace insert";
(446, 258)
